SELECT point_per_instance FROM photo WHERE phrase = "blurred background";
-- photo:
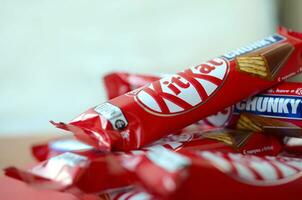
(54, 53)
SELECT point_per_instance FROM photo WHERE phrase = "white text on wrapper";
(185, 90)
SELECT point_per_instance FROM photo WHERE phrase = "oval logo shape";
(256, 170)
(184, 91)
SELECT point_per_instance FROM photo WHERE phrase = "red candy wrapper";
(224, 140)
(139, 117)
(201, 138)
(213, 175)
(74, 173)
(55, 147)
(280, 107)
(94, 171)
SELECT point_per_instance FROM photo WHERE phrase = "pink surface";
(11, 189)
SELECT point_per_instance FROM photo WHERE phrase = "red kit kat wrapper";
(139, 117)
(89, 170)
(277, 110)
(217, 175)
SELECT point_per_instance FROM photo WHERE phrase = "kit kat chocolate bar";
(141, 116)
(216, 175)
(280, 106)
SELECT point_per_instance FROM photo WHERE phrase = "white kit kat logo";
(183, 91)
(256, 170)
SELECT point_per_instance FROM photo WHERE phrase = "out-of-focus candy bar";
(55, 147)
(293, 146)
(197, 175)
(197, 138)
(228, 140)
(94, 171)
(256, 123)
(75, 172)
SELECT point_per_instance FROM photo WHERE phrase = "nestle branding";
(253, 46)
(272, 106)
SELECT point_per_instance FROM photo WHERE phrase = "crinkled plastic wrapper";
(214, 174)
(139, 117)
(91, 171)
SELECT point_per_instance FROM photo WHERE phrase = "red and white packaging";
(282, 102)
(198, 137)
(293, 145)
(74, 173)
(144, 115)
(55, 147)
(216, 175)
(91, 171)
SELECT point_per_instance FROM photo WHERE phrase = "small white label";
(113, 114)
(167, 159)
(68, 158)
(69, 145)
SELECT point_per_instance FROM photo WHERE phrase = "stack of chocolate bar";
(227, 128)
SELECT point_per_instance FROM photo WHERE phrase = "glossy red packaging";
(280, 103)
(74, 173)
(199, 138)
(139, 117)
(55, 147)
(217, 175)
(91, 171)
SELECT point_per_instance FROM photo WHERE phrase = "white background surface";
(53, 53)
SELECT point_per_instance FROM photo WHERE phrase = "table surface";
(16, 151)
